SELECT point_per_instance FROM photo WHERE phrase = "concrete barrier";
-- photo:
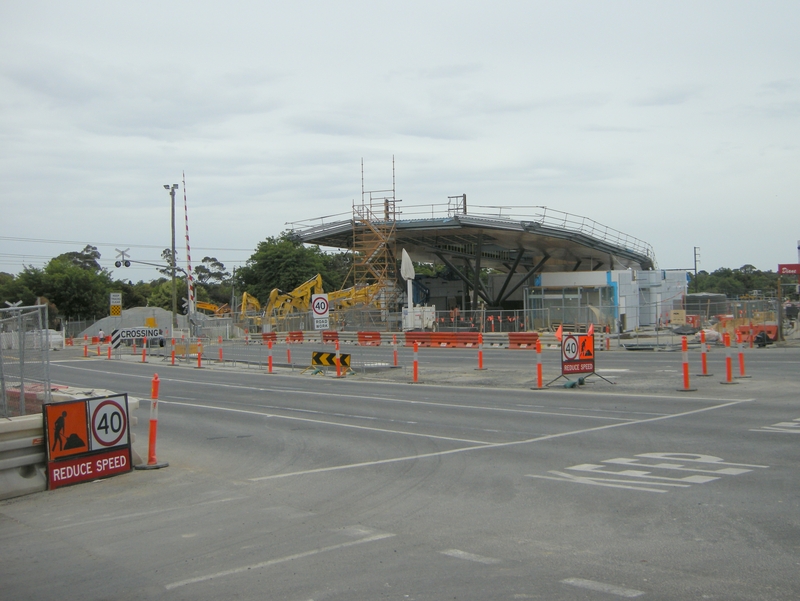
(23, 454)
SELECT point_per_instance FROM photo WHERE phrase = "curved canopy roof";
(545, 240)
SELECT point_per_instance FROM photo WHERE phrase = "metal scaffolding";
(374, 249)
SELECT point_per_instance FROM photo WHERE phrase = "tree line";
(75, 286)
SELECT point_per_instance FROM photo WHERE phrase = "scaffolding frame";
(374, 247)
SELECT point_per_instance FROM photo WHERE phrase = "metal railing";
(24, 360)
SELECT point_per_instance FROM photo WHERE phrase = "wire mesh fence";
(24, 360)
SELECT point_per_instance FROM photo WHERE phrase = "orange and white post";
(685, 354)
(269, 356)
(338, 362)
(394, 348)
(199, 354)
(704, 355)
(728, 361)
(480, 351)
(539, 377)
(416, 362)
(152, 461)
(741, 355)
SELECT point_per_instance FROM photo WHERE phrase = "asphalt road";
(299, 487)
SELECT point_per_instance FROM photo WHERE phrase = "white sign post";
(320, 309)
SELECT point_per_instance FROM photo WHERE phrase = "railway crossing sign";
(320, 309)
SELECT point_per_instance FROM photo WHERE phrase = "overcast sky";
(674, 122)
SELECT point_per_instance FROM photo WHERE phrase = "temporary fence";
(24, 360)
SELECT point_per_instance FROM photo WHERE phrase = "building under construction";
(536, 258)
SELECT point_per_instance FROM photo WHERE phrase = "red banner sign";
(789, 269)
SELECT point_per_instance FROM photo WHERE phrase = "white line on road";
(498, 445)
(129, 516)
(592, 585)
(323, 422)
(470, 556)
(279, 560)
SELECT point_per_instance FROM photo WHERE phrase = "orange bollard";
(539, 385)
(480, 351)
(152, 461)
(728, 361)
(134, 347)
(741, 355)
(416, 362)
(199, 355)
(85, 351)
(338, 362)
(172, 356)
(109, 352)
(269, 358)
(154, 386)
(144, 354)
(220, 355)
(750, 337)
(394, 345)
(685, 353)
(704, 355)
(98, 350)
(289, 355)
(219, 339)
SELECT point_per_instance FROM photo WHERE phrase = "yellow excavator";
(281, 304)
(218, 311)
(250, 313)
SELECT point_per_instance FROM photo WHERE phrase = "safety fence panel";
(24, 360)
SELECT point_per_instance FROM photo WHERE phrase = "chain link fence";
(24, 360)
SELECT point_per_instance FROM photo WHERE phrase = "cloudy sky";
(675, 122)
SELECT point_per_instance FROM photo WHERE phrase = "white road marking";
(279, 560)
(601, 587)
(498, 445)
(130, 516)
(584, 393)
(458, 554)
(323, 422)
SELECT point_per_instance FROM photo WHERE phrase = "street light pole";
(173, 262)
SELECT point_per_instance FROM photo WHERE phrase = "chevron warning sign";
(329, 359)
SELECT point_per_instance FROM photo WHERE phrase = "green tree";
(283, 263)
(13, 290)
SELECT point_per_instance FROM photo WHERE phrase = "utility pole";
(173, 262)
(696, 261)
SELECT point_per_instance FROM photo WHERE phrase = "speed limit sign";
(319, 305)
(109, 423)
(569, 348)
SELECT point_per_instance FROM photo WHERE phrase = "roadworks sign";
(329, 359)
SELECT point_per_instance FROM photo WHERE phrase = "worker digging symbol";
(72, 442)
(587, 347)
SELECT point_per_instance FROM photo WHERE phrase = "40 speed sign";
(577, 354)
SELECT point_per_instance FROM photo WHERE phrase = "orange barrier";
(294, 336)
(330, 337)
(269, 336)
(525, 340)
(443, 339)
(749, 332)
(369, 338)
